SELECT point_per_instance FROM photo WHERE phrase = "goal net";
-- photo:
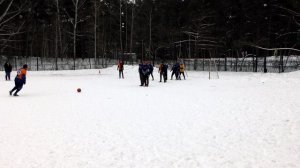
(209, 65)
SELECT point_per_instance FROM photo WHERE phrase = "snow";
(242, 120)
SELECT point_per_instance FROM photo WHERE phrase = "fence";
(38, 63)
(273, 64)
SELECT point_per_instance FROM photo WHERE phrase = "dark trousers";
(161, 74)
(18, 87)
(173, 73)
(141, 78)
(7, 75)
(182, 74)
(121, 74)
(145, 80)
(176, 74)
(165, 76)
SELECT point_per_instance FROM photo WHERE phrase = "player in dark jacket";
(161, 71)
(140, 73)
(8, 69)
(175, 70)
(121, 68)
(165, 72)
(20, 80)
(145, 74)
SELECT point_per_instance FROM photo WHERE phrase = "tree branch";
(5, 12)
(274, 49)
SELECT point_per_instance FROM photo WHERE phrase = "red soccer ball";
(78, 90)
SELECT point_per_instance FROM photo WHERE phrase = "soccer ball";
(78, 90)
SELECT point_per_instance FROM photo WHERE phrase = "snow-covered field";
(242, 120)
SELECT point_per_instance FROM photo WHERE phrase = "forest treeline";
(161, 28)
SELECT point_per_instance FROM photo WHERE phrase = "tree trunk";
(56, 46)
(150, 35)
(75, 31)
(121, 46)
(225, 63)
(95, 33)
(131, 33)
(126, 31)
(59, 29)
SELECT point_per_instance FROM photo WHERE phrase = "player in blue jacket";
(20, 80)
(175, 70)
(145, 70)
(140, 73)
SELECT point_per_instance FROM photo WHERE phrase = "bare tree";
(95, 29)
(58, 28)
(75, 20)
(9, 28)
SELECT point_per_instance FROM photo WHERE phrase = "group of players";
(146, 69)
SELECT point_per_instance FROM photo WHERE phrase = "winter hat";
(25, 66)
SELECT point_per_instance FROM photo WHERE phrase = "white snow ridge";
(242, 120)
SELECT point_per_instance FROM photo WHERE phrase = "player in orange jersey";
(20, 80)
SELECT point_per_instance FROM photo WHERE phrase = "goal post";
(215, 69)
(209, 65)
